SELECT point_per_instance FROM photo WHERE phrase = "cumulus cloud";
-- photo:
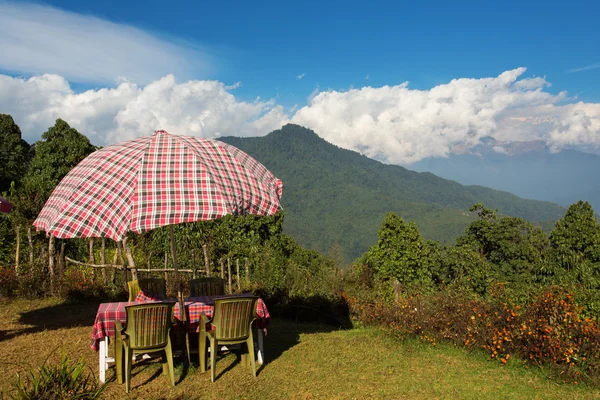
(38, 39)
(395, 124)
(400, 125)
(199, 108)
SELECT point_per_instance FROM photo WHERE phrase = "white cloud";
(314, 93)
(400, 125)
(395, 124)
(199, 108)
(367, 77)
(301, 76)
(586, 68)
(38, 39)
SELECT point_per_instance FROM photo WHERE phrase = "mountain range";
(528, 169)
(336, 196)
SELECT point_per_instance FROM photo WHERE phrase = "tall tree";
(60, 149)
(399, 252)
(14, 153)
(576, 236)
(515, 246)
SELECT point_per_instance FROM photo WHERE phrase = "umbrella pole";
(179, 293)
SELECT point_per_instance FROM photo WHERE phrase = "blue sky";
(267, 44)
(284, 54)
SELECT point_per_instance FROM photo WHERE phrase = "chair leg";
(169, 356)
(128, 356)
(250, 342)
(163, 361)
(202, 351)
(213, 358)
(119, 359)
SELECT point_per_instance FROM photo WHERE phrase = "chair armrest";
(118, 328)
(203, 321)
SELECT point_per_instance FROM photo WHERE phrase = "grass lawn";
(304, 362)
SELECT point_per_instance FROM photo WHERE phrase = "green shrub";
(9, 282)
(62, 381)
(35, 283)
(78, 285)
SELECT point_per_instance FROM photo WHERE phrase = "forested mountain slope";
(335, 195)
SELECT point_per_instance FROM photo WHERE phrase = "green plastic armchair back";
(147, 325)
(232, 322)
(157, 286)
(147, 328)
(233, 317)
(207, 287)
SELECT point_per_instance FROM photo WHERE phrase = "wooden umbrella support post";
(178, 285)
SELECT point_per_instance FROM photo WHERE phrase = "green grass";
(304, 362)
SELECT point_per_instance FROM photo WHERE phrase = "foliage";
(9, 282)
(514, 246)
(399, 252)
(63, 381)
(14, 153)
(77, 285)
(7, 241)
(60, 149)
(462, 266)
(34, 283)
(576, 236)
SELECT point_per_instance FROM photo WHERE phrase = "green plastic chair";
(232, 323)
(207, 287)
(147, 329)
(157, 286)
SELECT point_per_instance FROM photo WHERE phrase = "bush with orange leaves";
(548, 331)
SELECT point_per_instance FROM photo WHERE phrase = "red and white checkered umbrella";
(154, 181)
(5, 205)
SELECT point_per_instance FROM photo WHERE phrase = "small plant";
(63, 381)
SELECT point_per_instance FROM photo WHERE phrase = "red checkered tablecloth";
(108, 313)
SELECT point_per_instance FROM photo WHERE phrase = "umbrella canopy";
(155, 181)
(5, 205)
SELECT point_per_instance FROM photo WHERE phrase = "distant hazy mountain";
(527, 169)
(335, 195)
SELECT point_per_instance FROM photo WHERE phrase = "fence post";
(103, 259)
(51, 253)
(237, 270)
(206, 260)
(17, 250)
(193, 264)
(229, 272)
(166, 265)
(92, 259)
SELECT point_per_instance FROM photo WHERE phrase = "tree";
(59, 151)
(399, 252)
(577, 233)
(514, 246)
(14, 153)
